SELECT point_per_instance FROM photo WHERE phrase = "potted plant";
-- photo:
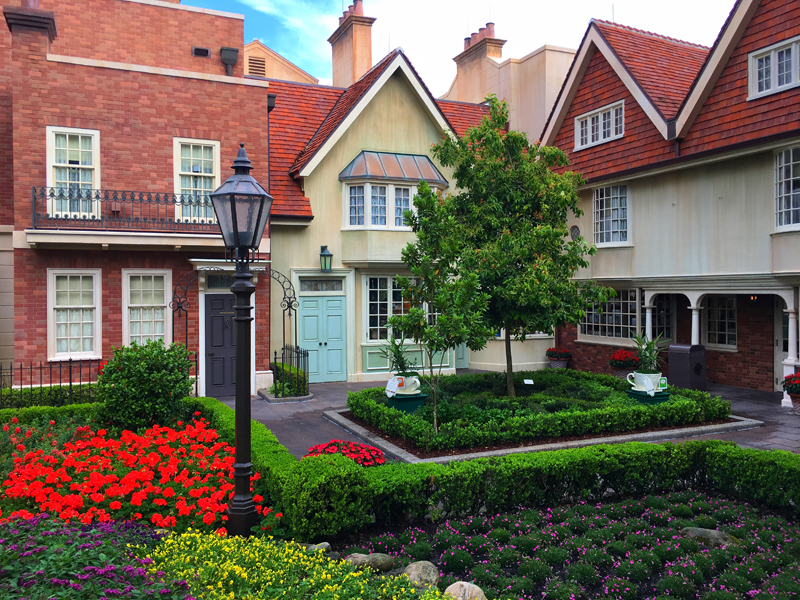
(791, 385)
(559, 357)
(401, 366)
(648, 354)
(623, 362)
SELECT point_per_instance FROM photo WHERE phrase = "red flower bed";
(623, 359)
(558, 353)
(366, 456)
(168, 477)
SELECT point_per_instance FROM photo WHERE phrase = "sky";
(432, 32)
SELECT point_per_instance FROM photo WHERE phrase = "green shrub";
(682, 511)
(458, 561)
(676, 586)
(620, 589)
(25, 416)
(560, 590)
(144, 384)
(500, 535)
(325, 495)
(289, 380)
(419, 551)
(535, 570)
(583, 573)
(57, 395)
(553, 556)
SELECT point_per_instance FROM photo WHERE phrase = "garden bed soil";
(423, 454)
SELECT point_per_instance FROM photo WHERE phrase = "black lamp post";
(242, 207)
(325, 259)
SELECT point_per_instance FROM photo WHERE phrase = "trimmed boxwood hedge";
(30, 414)
(684, 408)
(48, 396)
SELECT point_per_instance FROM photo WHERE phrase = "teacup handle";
(631, 378)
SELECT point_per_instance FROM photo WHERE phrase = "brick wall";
(31, 298)
(752, 366)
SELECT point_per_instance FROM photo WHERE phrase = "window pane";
(379, 205)
(784, 66)
(721, 320)
(610, 208)
(401, 204)
(356, 205)
(787, 187)
(764, 75)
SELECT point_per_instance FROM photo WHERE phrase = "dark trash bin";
(687, 366)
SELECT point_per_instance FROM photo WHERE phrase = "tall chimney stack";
(351, 45)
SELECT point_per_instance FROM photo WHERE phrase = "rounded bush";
(620, 589)
(553, 556)
(635, 571)
(525, 544)
(676, 586)
(682, 511)
(144, 384)
(584, 573)
(419, 551)
(706, 522)
(500, 535)
(457, 560)
(326, 495)
(599, 559)
(535, 570)
(506, 557)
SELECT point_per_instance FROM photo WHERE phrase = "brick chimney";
(471, 84)
(351, 45)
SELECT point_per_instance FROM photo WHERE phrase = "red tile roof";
(664, 67)
(462, 115)
(299, 111)
(345, 104)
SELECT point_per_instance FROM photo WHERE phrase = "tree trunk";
(512, 393)
(433, 393)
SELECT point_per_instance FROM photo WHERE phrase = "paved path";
(300, 425)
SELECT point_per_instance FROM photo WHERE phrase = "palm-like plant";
(648, 352)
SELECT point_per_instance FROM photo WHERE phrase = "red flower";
(115, 505)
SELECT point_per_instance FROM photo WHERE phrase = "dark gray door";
(220, 346)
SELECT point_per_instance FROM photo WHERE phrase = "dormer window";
(775, 68)
(600, 126)
(378, 188)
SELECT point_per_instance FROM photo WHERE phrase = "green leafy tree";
(513, 208)
(446, 307)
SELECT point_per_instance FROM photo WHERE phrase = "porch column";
(790, 364)
(648, 322)
(696, 324)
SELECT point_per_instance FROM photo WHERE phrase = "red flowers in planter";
(364, 455)
(168, 477)
(558, 353)
(623, 359)
(791, 383)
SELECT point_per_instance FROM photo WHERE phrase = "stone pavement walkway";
(300, 425)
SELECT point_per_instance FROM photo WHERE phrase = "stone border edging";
(653, 436)
(270, 398)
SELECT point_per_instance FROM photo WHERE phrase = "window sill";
(725, 349)
(600, 143)
(772, 92)
(614, 245)
(75, 358)
(786, 229)
(376, 228)
(604, 341)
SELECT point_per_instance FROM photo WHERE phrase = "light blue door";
(323, 333)
(462, 357)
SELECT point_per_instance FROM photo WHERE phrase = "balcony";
(105, 218)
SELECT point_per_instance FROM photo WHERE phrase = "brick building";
(117, 118)
(692, 162)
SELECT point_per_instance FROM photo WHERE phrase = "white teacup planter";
(408, 384)
(637, 380)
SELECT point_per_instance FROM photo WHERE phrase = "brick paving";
(300, 425)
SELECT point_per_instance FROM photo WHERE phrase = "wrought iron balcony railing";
(115, 210)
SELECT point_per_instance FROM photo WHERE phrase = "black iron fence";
(291, 373)
(64, 208)
(56, 383)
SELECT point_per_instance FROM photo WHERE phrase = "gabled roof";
(462, 115)
(353, 101)
(257, 47)
(657, 70)
(662, 66)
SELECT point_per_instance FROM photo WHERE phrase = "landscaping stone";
(461, 590)
(321, 546)
(377, 561)
(334, 555)
(710, 537)
(422, 573)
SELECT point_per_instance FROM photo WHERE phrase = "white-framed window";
(624, 317)
(146, 294)
(372, 205)
(74, 313)
(610, 216)
(774, 68)
(197, 174)
(787, 188)
(383, 299)
(720, 330)
(73, 169)
(600, 126)
(663, 320)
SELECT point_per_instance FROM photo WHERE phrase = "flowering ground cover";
(217, 568)
(622, 551)
(42, 558)
(168, 477)
(363, 454)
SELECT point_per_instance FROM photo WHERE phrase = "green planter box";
(643, 398)
(407, 404)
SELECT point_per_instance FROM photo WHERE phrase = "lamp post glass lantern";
(242, 208)
(325, 259)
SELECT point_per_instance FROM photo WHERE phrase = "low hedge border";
(684, 408)
(32, 413)
(57, 395)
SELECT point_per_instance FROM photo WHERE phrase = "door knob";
(326, 343)
(320, 343)
(210, 354)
